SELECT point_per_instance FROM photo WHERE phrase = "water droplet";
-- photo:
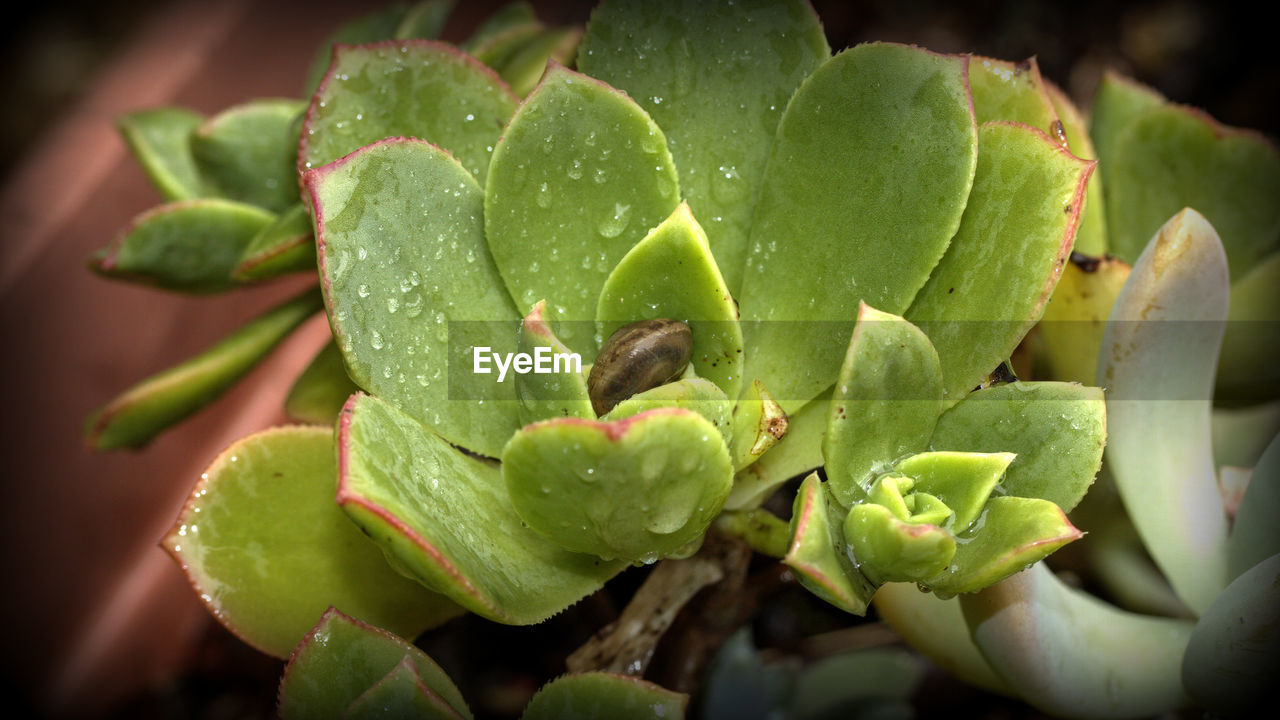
(611, 227)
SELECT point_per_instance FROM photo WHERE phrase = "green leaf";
(411, 88)
(1091, 236)
(690, 393)
(1157, 361)
(321, 390)
(285, 246)
(549, 395)
(1070, 331)
(687, 64)
(1013, 92)
(343, 657)
(936, 628)
(864, 188)
(512, 14)
(267, 550)
(817, 554)
(400, 694)
(143, 411)
(160, 140)
(594, 695)
(638, 488)
(1117, 102)
(886, 401)
(425, 20)
(1000, 269)
(1231, 661)
(799, 451)
(1247, 371)
(375, 26)
(1173, 157)
(887, 549)
(447, 519)
(247, 153)
(671, 274)
(496, 50)
(1012, 534)
(758, 424)
(525, 66)
(1255, 535)
(1057, 430)
(188, 246)
(580, 176)
(866, 682)
(411, 289)
(961, 480)
(1070, 654)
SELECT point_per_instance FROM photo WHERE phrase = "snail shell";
(638, 357)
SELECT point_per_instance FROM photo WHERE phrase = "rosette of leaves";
(451, 215)
(902, 503)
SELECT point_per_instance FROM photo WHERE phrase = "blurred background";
(101, 623)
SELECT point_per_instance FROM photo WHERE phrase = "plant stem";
(760, 529)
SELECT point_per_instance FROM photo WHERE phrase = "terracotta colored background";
(95, 612)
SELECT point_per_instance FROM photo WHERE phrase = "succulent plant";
(743, 259)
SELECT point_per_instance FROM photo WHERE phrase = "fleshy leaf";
(1012, 534)
(494, 51)
(1075, 318)
(963, 481)
(246, 153)
(1158, 363)
(1231, 661)
(425, 20)
(446, 518)
(580, 176)
(188, 246)
(1118, 101)
(549, 395)
(1247, 369)
(525, 66)
(143, 411)
(1069, 654)
(413, 88)
(992, 285)
(865, 186)
(400, 694)
(1091, 235)
(1057, 430)
(512, 14)
(758, 424)
(267, 550)
(685, 63)
(285, 246)
(887, 549)
(594, 695)
(691, 393)
(343, 657)
(1241, 435)
(817, 554)
(1255, 535)
(1012, 92)
(160, 140)
(378, 25)
(799, 451)
(1173, 157)
(671, 274)
(411, 290)
(936, 628)
(320, 391)
(887, 399)
(638, 488)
